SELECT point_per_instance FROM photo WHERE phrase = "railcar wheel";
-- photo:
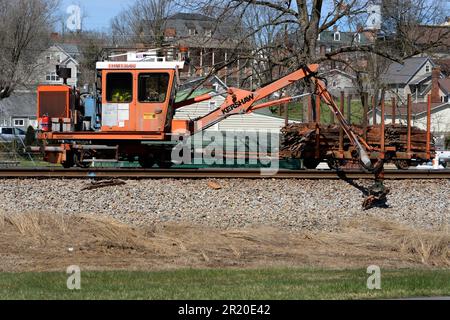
(164, 161)
(402, 164)
(310, 163)
(78, 162)
(336, 164)
(69, 163)
(146, 161)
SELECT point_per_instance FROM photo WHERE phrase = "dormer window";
(337, 36)
(193, 32)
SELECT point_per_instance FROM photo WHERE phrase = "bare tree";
(305, 20)
(143, 22)
(25, 30)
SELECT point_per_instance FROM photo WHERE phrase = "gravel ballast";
(288, 204)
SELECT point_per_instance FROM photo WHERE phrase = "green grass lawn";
(227, 284)
(295, 110)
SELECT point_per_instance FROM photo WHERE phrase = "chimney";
(435, 76)
(54, 36)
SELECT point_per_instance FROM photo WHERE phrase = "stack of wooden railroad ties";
(401, 144)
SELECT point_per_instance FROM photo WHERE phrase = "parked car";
(9, 134)
(444, 158)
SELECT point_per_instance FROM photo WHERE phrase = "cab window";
(153, 87)
(119, 87)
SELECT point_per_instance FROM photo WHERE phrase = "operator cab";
(138, 96)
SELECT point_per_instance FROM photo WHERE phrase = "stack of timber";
(298, 140)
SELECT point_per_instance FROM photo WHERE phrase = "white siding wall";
(247, 122)
(440, 120)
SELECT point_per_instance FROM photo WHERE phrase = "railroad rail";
(130, 173)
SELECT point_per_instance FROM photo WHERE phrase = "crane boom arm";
(240, 101)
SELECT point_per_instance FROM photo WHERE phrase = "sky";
(98, 12)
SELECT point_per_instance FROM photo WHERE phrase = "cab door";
(153, 96)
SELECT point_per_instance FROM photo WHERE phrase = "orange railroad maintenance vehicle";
(131, 114)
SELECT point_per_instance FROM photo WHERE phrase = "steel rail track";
(130, 173)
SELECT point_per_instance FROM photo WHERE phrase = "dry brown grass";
(40, 241)
(430, 247)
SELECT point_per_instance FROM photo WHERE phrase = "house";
(208, 43)
(438, 36)
(413, 77)
(19, 110)
(58, 54)
(440, 116)
(330, 40)
(443, 90)
(339, 81)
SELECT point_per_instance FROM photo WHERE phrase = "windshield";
(153, 87)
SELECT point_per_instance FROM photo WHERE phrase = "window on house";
(427, 68)
(334, 84)
(318, 37)
(48, 58)
(212, 105)
(208, 33)
(193, 32)
(357, 37)
(337, 36)
(19, 122)
(52, 76)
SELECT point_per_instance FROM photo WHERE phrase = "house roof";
(346, 37)
(71, 49)
(19, 105)
(183, 22)
(190, 16)
(402, 73)
(340, 72)
(444, 84)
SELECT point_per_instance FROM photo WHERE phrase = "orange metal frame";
(53, 88)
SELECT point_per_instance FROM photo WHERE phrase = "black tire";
(164, 160)
(310, 163)
(336, 164)
(402, 164)
(78, 163)
(69, 163)
(146, 162)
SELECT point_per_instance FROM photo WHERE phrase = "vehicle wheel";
(78, 163)
(69, 163)
(146, 161)
(402, 164)
(164, 160)
(310, 163)
(336, 164)
(165, 164)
